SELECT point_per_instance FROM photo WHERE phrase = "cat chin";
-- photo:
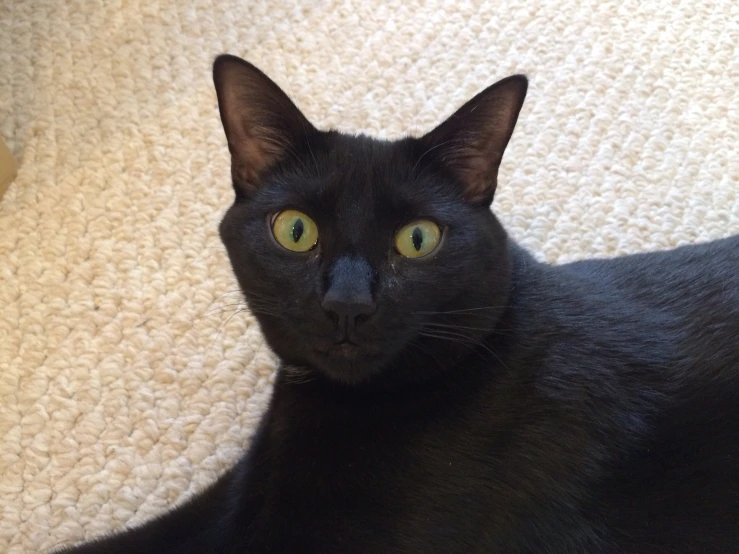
(348, 364)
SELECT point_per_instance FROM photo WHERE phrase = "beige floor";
(127, 377)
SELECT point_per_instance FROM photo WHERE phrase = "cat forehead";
(362, 151)
(378, 173)
(360, 179)
(358, 167)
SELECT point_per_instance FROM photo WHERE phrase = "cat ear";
(470, 143)
(261, 123)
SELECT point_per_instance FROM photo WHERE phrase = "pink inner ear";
(471, 141)
(248, 162)
(475, 162)
(479, 174)
(259, 119)
(251, 146)
(253, 149)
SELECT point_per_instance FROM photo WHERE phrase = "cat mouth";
(344, 348)
(346, 360)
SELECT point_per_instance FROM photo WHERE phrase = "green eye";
(295, 231)
(418, 239)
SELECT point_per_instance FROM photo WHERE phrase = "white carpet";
(126, 380)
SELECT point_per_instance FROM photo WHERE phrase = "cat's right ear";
(261, 123)
(471, 142)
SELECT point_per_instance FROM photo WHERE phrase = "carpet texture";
(129, 375)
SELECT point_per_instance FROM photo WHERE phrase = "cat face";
(361, 257)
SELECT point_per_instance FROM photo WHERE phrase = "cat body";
(471, 399)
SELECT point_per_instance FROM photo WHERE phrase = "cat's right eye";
(295, 231)
(418, 239)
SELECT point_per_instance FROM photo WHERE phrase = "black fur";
(493, 404)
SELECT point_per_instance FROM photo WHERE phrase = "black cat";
(440, 390)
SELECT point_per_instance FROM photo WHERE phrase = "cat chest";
(333, 487)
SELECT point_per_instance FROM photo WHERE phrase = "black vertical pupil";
(298, 230)
(417, 237)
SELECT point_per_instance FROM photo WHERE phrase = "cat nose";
(349, 294)
(348, 309)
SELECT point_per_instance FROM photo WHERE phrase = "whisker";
(220, 330)
(446, 333)
(462, 310)
(294, 155)
(428, 151)
(463, 340)
(222, 308)
(416, 344)
(235, 291)
(256, 305)
(266, 311)
(296, 375)
(443, 326)
(213, 313)
(302, 123)
(217, 298)
(452, 326)
(472, 345)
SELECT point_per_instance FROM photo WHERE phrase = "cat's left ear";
(262, 124)
(471, 142)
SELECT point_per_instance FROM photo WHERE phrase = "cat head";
(365, 259)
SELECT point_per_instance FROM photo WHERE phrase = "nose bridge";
(350, 279)
(355, 208)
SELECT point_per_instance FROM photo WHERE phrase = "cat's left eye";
(418, 239)
(295, 231)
